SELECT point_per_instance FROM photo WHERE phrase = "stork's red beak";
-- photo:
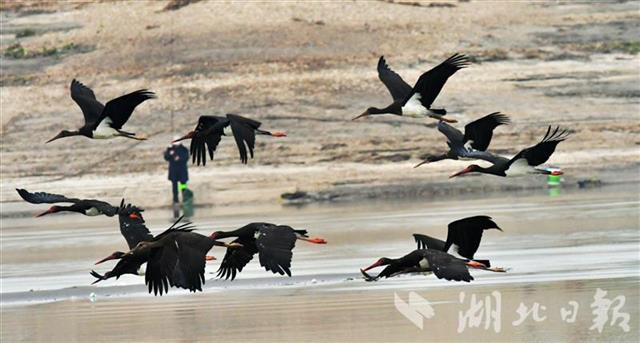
(233, 245)
(210, 258)
(187, 136)
(59, 135)
(557, 172)
(134, 216)
(278, 134)
(108, 258)
(421, 163)
(51, 210)
(364, 114)
(462, 172)
(378, 263)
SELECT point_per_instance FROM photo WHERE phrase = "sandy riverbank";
(308, 69)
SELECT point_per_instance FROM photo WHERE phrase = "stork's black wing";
(126, 265)
(104, 207)
(189, 269)
(119, 109)
(398, 88)
(480, 155)
(162, 262)
(540, 153)
(480, 131)
(445, 266)
(173, 262)
(431, 82)
(454, 136)
(466, 234)
(428, 242)
(236, 258)
(207, 136)
(274, 246)
(86, 100)
(244, 132)
(43, 198)
(133, 229)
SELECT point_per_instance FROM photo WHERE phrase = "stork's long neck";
(227, 234)
(391, 109)
(493, 170)
(72, 208)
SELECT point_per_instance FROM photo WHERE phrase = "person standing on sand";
(177, 155)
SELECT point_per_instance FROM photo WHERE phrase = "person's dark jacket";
(177, 156)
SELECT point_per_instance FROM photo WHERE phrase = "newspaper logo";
(415, 310)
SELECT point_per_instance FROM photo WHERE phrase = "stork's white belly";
(424, 264)
(104, 130)
(142, 269)
(92, 212)
(519, 168)
(414, 108)
(227, 130)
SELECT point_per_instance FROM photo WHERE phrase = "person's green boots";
(187, 203)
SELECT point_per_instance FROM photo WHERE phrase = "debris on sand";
(178, 4)
(589, 183)
(302, 197)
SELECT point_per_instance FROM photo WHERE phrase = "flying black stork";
(448, 260)
(463, 238)
(443, 265)
(210, 130)
(477, 136)
(175, 257)
(88, 207)
(134, 231)
(523, 163)
(104, 121)
(416, 102)
(272, 243)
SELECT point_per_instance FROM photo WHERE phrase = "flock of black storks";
(177, 256)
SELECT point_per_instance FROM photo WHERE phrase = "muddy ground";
(308, 68)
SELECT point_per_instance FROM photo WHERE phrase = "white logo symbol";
(417, 308)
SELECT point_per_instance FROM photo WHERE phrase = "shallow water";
(559, 248)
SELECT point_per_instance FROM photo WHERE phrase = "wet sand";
(308, 70)
(321, 315)
(560, 248)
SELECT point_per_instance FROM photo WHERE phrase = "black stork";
(436, 256)
(88, 207)
(523, 163)
(416, 102)
(463, 238)
(443, 265)
(272, 243)
(104, 121)
(134, 231)
(175, 257)
(477, 136)
(210, 130)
